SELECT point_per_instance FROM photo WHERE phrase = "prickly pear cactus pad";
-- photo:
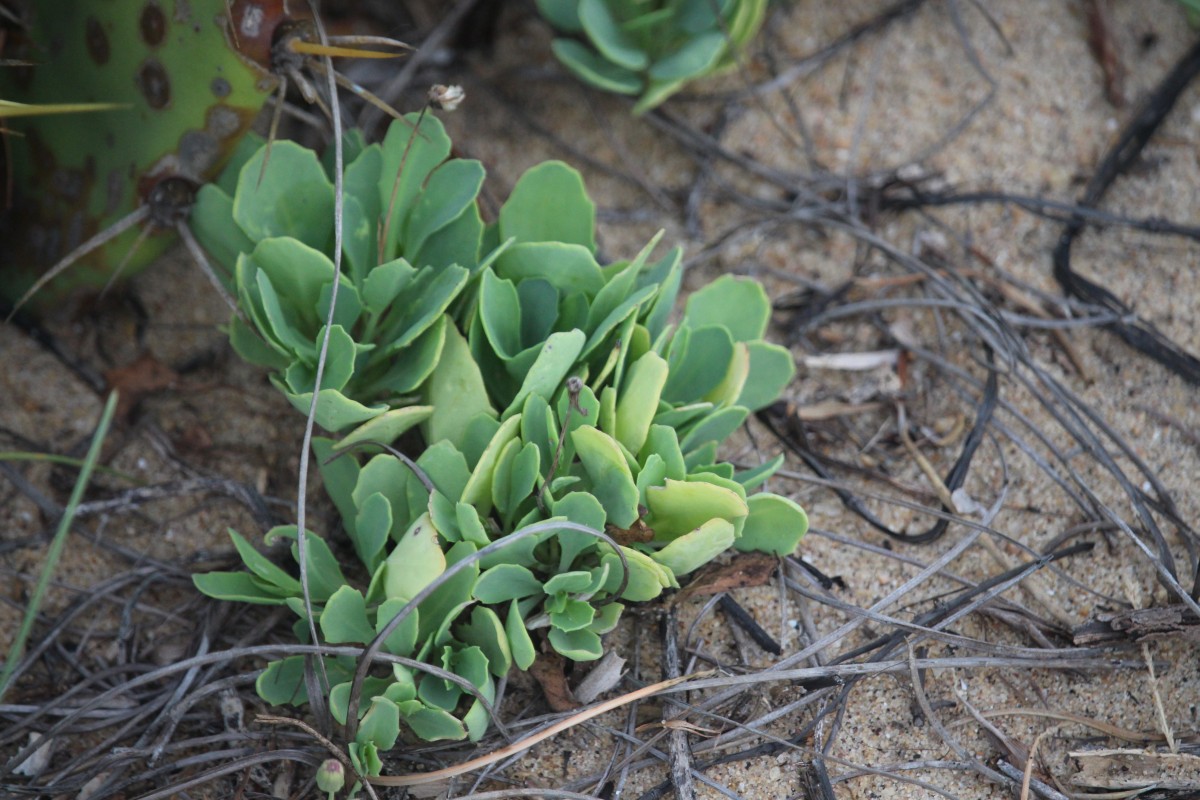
(186, 96)
(563, 431)
(650, 49)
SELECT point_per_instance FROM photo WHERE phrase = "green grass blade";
(56, 546)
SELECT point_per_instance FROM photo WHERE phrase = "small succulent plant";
(650, 48)
(569, 429)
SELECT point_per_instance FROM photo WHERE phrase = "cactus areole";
(191, 76)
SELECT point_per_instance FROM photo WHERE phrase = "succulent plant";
(650, 48)
(570, 429)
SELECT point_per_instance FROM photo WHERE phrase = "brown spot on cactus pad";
(97, 41)
(154, 84)
(153, 25)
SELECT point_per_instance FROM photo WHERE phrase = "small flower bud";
(446, 98)
(331, 777)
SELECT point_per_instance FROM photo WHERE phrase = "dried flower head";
(446, 98)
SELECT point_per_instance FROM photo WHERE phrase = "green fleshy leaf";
(415, 562)
(456, 392)
(403, 640)
(211, 222)
(775, 525)
(324, 573)
(238, 587)
(550, 204)
(450, 189)
(611, 479)
(575, 615)
(584, 509)
(695, 549)
(716, 427)
(294, 197)
(505, 582)
(478, 491)
(380, 726)
(590, 68)
(519, 641)
(412, 148)
(344, 618)
(549, 371)
(447, 468)
(431, 724)
(486, 632)
(647, 578)
(679, 507)
(441, 608)
(696, 57)
(387, 427)
(372, 527)
(263, 567)
(577, 645)
(738, 304)
(567, 267)
(335, 411)
(771, 370)
(606, 35)
(701, 365)
(752, 478)
(639, 400)
(662, 440)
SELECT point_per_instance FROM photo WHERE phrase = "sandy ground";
(885, 102)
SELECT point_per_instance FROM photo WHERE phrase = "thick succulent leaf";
(581, 508)
(716, 427)
(696, 548)
(731, 386)
(696, 57)
(460, 242)
(263, 567)
(638, 403)
(387, 427)
(500, 312)
(344, 618)
(361, 212)
(293, 199)
(562, 14)
(339, 697)
(549, 372)
(567, 267)
(339, 364)
(647, 578)
(569, 582)
(549, 204)
(211, 222)
(679, 507)
(573, 616)
(699, 360)
(431, 724)
(409, 368)
(455, 391)
(606, 619)
(486, 632)
(416, 560)
(256, 349)
(403, 640)
(577, 645)
(324, 573)
(592, 69)
(340, 476)
(738, 304)
(609, 39)
(371, 530)
(335, 411)
(447, 468)
(450, 189)
(756, 476)
(505, 582)
(519, 641)
(380, 726)
(241, 587)
(515, 476)
(662, 440)
(383, 284)
(611, 479)
(409, 155)
(420, 304)
(478, 491)
(775, 525)
(439, 610)
(771, 370)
